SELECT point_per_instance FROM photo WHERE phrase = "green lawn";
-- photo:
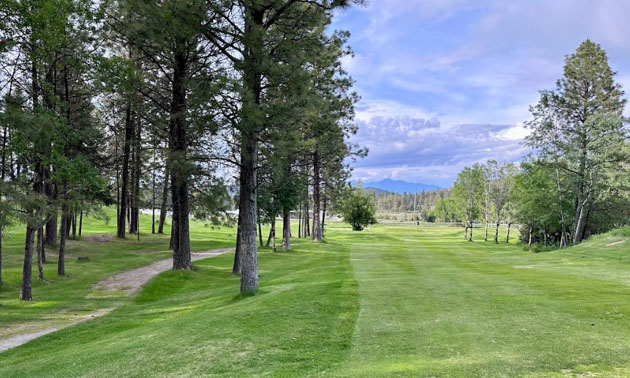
(389, 301)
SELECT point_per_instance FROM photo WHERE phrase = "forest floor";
(388, 301)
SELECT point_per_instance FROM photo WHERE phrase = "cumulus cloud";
(474, 65)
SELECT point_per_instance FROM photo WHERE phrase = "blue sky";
(446, 83)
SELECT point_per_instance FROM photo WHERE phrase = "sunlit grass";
(389, 301)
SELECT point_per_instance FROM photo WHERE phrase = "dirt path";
(128, 282)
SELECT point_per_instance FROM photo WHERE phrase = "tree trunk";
(74, 225)
(248, 211)
(317, 228)
(40, 253)
(81, 221)
(496, 231)
(236, 266)
(61, 262)
(563, 223)
(260, 237)
(324, 216)
(487, 225)
(164, 203)
(470, 238)
(137, 167)
(507, 239)
(273, 223)
(125, 174)
(286, 229)
(300, 222)
(26, 294)
(307, 216)
(531, 230)
(273, 232)
(178, 167)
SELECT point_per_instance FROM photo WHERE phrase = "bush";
(358, 209)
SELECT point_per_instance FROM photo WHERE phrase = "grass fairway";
(389, 301)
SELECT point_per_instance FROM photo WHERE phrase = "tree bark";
(125, 174)
(507, 239)
(179, 170)
(496, 231)
(236, 267)
(135, 198)
(81, 221)
(260, 237)
(40, 253)
(273, 228)
(273, 222)
(300, 222)
(164, 203)
(61, 262)
(74, 224)
(470, 238)
(26, 293)
(286, 229)
(324, 217)
(317, 228)
(307, 216)
(248, 211)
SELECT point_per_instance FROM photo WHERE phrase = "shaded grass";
(60, 298)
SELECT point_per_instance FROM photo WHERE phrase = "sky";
(447, 83)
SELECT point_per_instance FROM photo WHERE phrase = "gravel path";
(128, 282)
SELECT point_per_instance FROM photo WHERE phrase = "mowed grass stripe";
(484, 316)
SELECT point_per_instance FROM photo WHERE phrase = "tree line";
(160, 105)
(576, 181)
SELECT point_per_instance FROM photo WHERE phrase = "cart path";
(128, 282)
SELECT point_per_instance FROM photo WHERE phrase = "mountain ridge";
(399, 186)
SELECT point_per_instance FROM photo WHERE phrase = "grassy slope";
(389, 301)
(63, 297)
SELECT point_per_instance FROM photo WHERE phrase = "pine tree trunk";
(248, 206)
(61, 264)
(74, 225)
(26, 294)
(324, 217)
(260, 237)
(40, 253)
(179, 177)
(273, 232)
(317, 228)
(307, 216)
(164, 203)
(286, 229)
(135, 199)
(300, 222)
(121, 229)
(236, 267)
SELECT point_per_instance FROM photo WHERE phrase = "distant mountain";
(399, 186)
